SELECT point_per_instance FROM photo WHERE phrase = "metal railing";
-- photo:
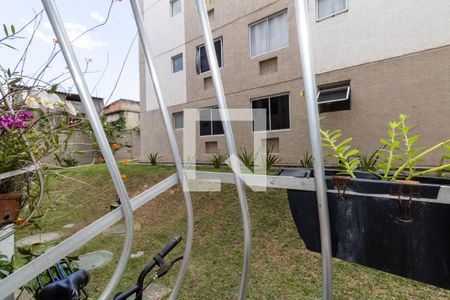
(40, 264)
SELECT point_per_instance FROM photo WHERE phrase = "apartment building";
(373, 59)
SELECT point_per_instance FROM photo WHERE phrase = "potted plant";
(30, 124)
(384, 217)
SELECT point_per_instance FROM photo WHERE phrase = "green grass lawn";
(281, 267)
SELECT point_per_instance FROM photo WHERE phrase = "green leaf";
(405, 130)
(53, 89)
(5, 29)
(353, 152)
(354, 164)
(384, 142)
(16, 80)
(391, 134)
(413, 139)
(395, 145)
(342, 149)
(13, 29)
(337, 136)
(346, 141)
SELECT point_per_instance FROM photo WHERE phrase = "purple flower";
(11, 122)
(25, 116)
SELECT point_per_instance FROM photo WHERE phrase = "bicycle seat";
(65, 289)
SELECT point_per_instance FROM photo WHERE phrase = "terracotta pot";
(10, 205)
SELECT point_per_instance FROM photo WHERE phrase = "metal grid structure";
(40, 264)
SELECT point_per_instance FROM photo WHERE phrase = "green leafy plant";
(66, 161)
(269, 159)
(217, 160)
(153, 158)
(247, 159)
(307, 161)
(398, 147)
(389, 154)
(369, 163)
(444, 157)
(347, 157)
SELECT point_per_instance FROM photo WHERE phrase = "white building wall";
(167, 39)
(373, 30)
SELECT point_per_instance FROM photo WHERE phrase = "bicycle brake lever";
(163, 266)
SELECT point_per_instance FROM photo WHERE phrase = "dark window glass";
(279, 112)
(205, 122)
(217, 124)
(210, 123)
(218, 47)
(258, 116)
(276, 111)
(202, 63)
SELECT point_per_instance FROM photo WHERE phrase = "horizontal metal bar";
(277, 182)
(26, 169)
(31, 270)
(305, 184)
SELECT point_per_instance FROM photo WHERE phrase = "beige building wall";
(402, 78)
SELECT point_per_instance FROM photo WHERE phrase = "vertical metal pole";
(309, 80)
(145, 42)
(91, 112)
(220, 94)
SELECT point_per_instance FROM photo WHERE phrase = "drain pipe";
(309, 80)
(91, 112)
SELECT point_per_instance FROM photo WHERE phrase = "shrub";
(218, 160)
(270, 159)
(153, 158)
(247, 159)
(307, 161)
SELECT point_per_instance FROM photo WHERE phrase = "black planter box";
(377, 231)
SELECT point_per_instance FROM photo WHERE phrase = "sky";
(101, 52)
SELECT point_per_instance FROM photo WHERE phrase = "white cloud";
(86, 42)
(97, 16)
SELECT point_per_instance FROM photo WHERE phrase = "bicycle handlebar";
(170, 245)
(69, 288)
(138, 288)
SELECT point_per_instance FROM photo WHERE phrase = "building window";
(202, 64)
(276, 110)
(177, 63)
(175, 6)
(329, 8)
(210, 123)
(178, 120)
(269, 34)
(334, 97)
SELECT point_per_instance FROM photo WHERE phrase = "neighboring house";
(129, 139)
(79, 146)
(76, 102)
(373, 59)
(129, 110)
